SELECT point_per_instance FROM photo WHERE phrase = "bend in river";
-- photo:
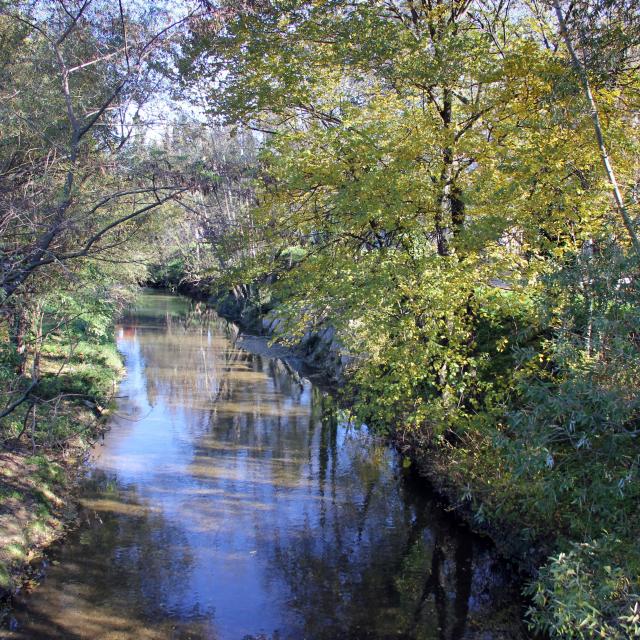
(227, 503)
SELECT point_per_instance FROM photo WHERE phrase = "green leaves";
(430, 188)
(585, 593)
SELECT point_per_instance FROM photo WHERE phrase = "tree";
(582, 73)
(429, 185)
(77, 78)
(216, 228)
(406, 166)
(79, 81)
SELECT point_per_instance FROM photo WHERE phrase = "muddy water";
(227, 502)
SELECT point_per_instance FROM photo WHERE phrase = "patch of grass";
(42, 511)
(37, 528)
(16, 552)
(48, 470)
(5, 578)
(7, 493)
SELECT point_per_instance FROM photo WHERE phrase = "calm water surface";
(227, 502)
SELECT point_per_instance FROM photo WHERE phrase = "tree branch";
(580, 70)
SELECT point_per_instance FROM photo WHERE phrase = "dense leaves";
(433, 186)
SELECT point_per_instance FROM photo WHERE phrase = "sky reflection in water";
(227, 502)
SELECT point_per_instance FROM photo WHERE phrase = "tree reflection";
(116, 576)
(229, 501)
(381, 560)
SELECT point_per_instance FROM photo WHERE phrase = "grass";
(16, 552)
(36, 472)
(5, 579)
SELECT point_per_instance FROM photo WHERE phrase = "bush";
(591, 591)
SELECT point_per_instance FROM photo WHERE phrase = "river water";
(227, 502)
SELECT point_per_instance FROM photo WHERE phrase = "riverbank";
(320, 351)
(319, 355)
(43, 451)
(580, 579)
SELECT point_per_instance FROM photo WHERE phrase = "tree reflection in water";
(229, 502)
(383, 560)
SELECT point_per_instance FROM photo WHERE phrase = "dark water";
(227, 502)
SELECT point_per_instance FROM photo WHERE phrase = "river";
(228, 502)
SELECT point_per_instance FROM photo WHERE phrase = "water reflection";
(227, 502)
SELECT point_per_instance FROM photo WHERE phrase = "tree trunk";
(19, 325)
(593, 108)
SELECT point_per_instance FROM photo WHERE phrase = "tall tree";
(583, 75)
(76, 77)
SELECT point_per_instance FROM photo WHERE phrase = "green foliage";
(70, 337)
(5, 579)
(586, 592)
(431, 187)
(169, 273)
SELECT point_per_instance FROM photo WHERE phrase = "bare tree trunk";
(593, 108)
(18, 334)
(37, 348)
(446, 113)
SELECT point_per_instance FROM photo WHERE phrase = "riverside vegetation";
(451, 185)
(76, 191)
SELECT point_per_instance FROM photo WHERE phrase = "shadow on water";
(228, 502)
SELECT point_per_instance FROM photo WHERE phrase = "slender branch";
(105, 105)
(94, 238)
(124, 34)
(14, 405)
(11, 284)
(593, 108)
(74, 21)
(89, 63)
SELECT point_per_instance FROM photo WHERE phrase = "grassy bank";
(44, 442)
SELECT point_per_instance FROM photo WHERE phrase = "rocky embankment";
(318, 349)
